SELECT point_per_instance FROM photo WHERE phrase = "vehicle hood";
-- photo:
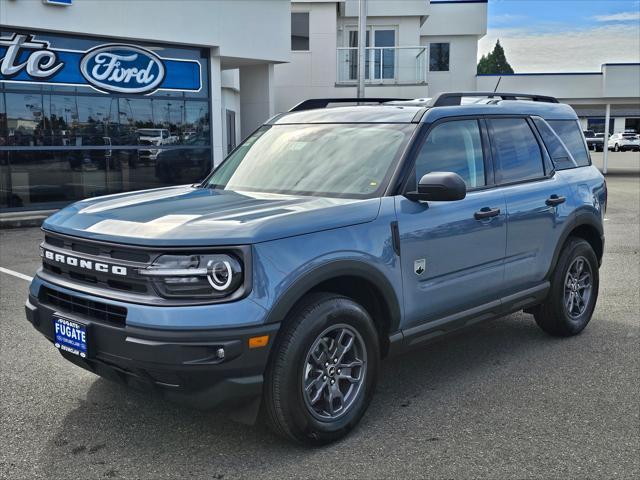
(192, 216)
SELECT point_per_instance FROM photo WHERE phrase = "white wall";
(381, 8)
(456, 19)
(311, 73)
(463, 51)
(256, 97)
(222, 23)
(557, 85)
(621, 80)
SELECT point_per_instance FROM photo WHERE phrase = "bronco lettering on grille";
(86, 264)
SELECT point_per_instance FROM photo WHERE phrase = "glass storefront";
(60, 142)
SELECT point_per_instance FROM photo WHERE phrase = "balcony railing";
(384, 65)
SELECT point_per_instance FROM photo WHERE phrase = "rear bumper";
(183, 366)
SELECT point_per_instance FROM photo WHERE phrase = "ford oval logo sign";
(123, 69)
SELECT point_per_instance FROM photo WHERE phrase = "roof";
(351, 114)
(549, 111)
(414, 111)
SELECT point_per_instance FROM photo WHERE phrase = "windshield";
(331, 160)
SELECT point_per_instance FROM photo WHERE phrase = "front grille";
(110, 254)
(91, 309)
(98, 249)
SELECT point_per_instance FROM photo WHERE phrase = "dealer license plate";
(70, 336)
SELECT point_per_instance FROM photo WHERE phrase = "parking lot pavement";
(501, 400)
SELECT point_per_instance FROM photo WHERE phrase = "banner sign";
(108, 68)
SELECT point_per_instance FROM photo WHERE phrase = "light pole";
(362, 46)
(605, 145)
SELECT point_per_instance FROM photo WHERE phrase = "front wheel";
(323, 371)
(616, 148)
(573, 293)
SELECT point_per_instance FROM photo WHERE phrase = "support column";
(605, 146)
(256, 97)
(216, 123)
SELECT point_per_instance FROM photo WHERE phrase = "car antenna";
(498, 83)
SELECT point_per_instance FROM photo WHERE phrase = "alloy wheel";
(577, 287)
(334, 372)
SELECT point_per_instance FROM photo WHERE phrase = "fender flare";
(334, 269)
(579, 219)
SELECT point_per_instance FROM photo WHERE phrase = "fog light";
(220, 353)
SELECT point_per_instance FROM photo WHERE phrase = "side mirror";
(440, 187)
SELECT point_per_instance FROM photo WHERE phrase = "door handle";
(554, 200)
(486, 212)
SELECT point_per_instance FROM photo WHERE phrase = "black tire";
(616, 148)
(553, 315)
(286, 406)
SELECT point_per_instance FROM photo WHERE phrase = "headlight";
(195, 276)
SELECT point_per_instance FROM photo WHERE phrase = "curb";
(24, 219)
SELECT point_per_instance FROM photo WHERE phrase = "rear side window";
(571, 135)
(561, 158)
(454, 146)
(516, 150)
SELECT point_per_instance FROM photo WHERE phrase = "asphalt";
(502, 400)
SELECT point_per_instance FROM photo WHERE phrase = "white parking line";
(16, 274)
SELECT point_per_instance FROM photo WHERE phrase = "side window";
(516, 150)
(454, 146)
(570, 134)
(560, 157)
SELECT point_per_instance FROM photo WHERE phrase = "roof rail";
(312, 103)
(450, 98)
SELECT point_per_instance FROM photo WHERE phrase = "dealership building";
(106, 97)
(615, 87)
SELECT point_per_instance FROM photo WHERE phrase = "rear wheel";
(574, 291)
(323, 371)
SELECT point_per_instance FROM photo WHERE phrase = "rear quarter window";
(571, 135)
(559, 154)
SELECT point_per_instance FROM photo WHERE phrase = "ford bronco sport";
(329, 239)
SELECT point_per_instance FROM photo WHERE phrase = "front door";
(452, 253)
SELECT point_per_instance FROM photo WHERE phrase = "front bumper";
(181, 365)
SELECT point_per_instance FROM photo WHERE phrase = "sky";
(564, 35)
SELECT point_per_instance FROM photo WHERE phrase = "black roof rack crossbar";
(450, 99)
(323, 102)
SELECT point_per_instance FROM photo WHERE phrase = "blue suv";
(328, 240)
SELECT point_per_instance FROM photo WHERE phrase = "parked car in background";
(154, 137)
(623, 142)
(593, 141)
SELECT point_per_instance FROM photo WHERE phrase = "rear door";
(537, 200)
(452, 252)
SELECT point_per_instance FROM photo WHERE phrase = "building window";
(439, 57)
(300, 31)
(231, 131)
(597, 125)
(61, 143)
(632, 124)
